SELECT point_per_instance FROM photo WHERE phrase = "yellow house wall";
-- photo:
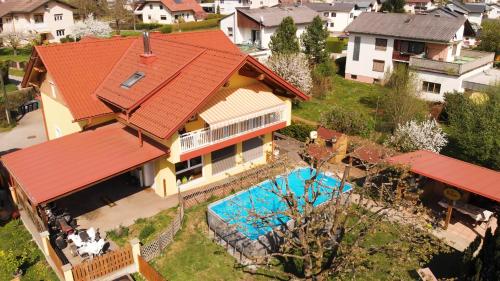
(166, 170)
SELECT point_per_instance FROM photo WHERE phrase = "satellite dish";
(313, 135)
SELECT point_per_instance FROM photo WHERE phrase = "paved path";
(29, 131)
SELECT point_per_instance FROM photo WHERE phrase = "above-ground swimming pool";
(230, 216)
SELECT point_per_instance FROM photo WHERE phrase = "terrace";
(467, 61)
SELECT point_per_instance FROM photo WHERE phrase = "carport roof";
(65, 165)
(453, 172)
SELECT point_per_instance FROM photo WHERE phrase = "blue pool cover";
(263, 200)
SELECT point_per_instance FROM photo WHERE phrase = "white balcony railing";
(245, 124)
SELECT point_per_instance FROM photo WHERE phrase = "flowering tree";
(294, 68)
(16, 39)
(414, 135)
(91, 27)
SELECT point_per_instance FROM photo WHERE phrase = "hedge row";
(188, 26)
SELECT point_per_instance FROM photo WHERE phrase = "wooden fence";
(148, 272)
(236, 183)
(103, 265)
(154, 248)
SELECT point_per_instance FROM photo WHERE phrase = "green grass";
(126, 33)
(350, 94)
(14, 237)
(157, 222)
(8, 54)
(10, 87)
(194, 256)
(16, 72)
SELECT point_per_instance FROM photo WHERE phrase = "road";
(29, 131)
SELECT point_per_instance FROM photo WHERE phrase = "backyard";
(17, 247)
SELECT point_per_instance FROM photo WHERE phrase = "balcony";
(468, 60)
(232, 128)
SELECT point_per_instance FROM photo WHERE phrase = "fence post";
(67, 272)
(136, 251)
(45, 242)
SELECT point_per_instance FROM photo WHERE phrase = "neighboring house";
(51, 19)
(431, 45)
(418, 6)
(361, 6)
(229, 6)
(471, 30)
(169, 11)
(180, 110)
(474, 12)
(253, 28)
(493, 11)
(338, 15)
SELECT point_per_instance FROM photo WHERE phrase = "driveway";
(29, 131)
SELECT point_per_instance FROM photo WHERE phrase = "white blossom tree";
(91, 27)
(414, 135)
(294, 68)
(16, 39)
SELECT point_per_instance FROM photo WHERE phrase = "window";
(351, 15)
(189, 170)
(38, 18)
(252, 149)
(378, 65)
(409, 47)
(149, 17)
(7, 20)
(58, 17)
(127, 84)
(357, 43)
(222, 1)
(376, 81)
(151, 6)
(230, 31)
(223, 159)
(331, 24)
(163, 17)
(334, 14)
(354, 76)
(60, 32)
(431, 87)
(380, 44)
(325, 14)
(161, 7)
(16, 18)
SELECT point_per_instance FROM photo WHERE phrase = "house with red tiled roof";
(169, 11)
(176, 111)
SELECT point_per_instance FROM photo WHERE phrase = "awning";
(56, 168)
(453, 172)
(230, 104)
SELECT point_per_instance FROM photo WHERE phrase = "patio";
(113, 203)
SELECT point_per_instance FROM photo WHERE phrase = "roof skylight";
(134, 78)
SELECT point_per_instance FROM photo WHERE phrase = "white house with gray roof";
(252, 29)
(337, 15)
(430, 45)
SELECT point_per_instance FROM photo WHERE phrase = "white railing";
(208, 136)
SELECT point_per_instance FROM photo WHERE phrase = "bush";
(299, 132)
(348, 121)
(146, 232)
(335, 45)
(4, 70)
(67, 39)
(214, 16)
(166, 28)
(190, 26)
(148, 26)
(322, 78)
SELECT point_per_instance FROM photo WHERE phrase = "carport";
(62, 167)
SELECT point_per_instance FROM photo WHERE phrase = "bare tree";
(318, 230)
(119, 13)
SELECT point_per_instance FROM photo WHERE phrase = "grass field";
(194, 256)
(14, 237)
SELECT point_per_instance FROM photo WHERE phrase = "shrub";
(166, 28)
(292, 67)
(299, 132)
(413, 136)
(148, 26)
(146, 232)
(213, 16)
(189, 26)
(322, 78)
(4, 70)
(67, 39)
(348, 121)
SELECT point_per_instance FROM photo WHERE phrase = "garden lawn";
(350, 94)
(194, 256)
(8, 54)
(144, 229)
(14, 237)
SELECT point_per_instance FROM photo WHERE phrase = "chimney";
(147, 57)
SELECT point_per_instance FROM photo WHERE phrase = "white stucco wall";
(152, 12)
(367, 54)
(229, 6)
(340, 21)
(26, 22)
(476, 18)
(410, 8)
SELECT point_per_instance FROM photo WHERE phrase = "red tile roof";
(328, 134)
(78, 68)
(58, 167)
(185, 5)
(453, 172)
(185, 70)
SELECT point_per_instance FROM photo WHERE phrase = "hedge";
(148, 26)
(298, 131)
(189, 26)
